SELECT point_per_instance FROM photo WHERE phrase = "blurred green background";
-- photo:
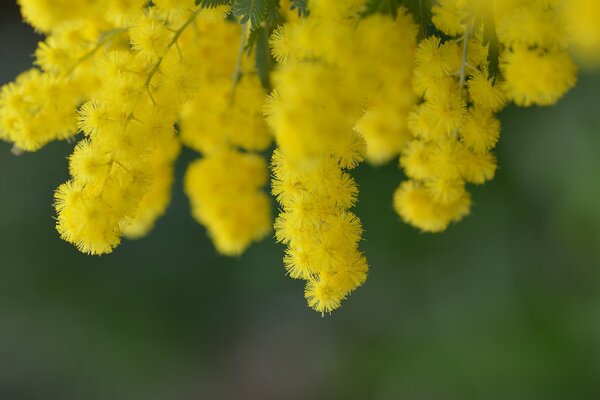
(504, 305)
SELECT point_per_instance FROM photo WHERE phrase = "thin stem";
(173, 41)
(104, 38)
(237, 73)
(463, 66)
(111, 164)
(424, 18)
(465, 56)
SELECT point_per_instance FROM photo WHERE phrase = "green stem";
(424, 17)
(237, 73)
(465, 56)
(104, 38)
(173, 41)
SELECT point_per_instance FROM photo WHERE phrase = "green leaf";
(212, 3)
(253, 37)
(491, 40)
(263, 57)
(258, 39)
(256, 11)
(424, 18)
(250, 10)
(271, 11)
(301, 6)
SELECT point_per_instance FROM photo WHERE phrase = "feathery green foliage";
(256, 11)
(212, 3)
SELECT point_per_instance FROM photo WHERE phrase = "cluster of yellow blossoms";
(454, 127)
(225, 187)
(352, 80)
(329, 72)
(583, 29)
(124, 79)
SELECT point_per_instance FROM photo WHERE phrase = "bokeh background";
(504, 305)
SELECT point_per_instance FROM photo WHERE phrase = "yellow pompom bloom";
(88, 163)
(86, 220)
(418, 123)
(448, 158)
(416, 206)
(53, 57)
(343, 268)
(416, 160)
(298, 262)
(445, 190)
(94, 118)
(38, 108)
(385, 132)
(68, 195)
(221, 116)
(351, 152)
(481, 130)
(444, 113)
(478, 168)
(435, 59)
(201, 121)
(281, 45)
(119, 64)
(485, 93)
(300, 133)
(536, 77)
(46, 15)
(225, 192)
(323, 295)
(179, 80)
(155, 201)
(449, 16)
(390, 45)
(150, 37)
(582, 18)
(428, 86)
(532, 23)
(123, 190)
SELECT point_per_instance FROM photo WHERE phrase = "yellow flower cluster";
(454, 127)
(225, 190)
(225, 186)
(134, 68)
(38, 108)
(536, 65)
(583, 29)
(331, 102)
(389, 45)
(41, 105)
(130, 144)
(351, 80)
(161, 164)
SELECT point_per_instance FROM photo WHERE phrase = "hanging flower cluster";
(329, 73)
(454, 127)
(334, 83)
